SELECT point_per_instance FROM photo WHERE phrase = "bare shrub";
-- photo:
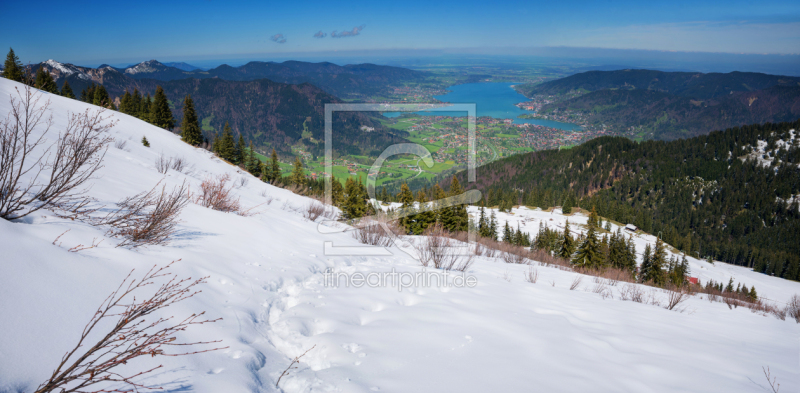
(130, 336)
(147, 219)
(600, 288)
(120, 144)
(437, 250)
(532, 276)
(372, 232)
(652, 298)
(676, 296)
(514, 256)
(313, 210)
(632, 292)
(793, 308)
(216, 194)
(54, 178)
(178, 164)
(773, 384)
(163, 164)
(242, 181)
(576, 283)
(295, 360)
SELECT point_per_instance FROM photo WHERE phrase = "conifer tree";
(252, 163)
(493, 226)
(48, 84)
(457, 219)
(145, 142)
(483, 224)
(275, 168)
(644, 270)
(423, 219)
(160, 114)
(239, 151)
(144, 111)
(406, 198)
(566, 244)
(753, 295)
(567, 207)
(355, 204)
(66, 90)
(658, 261)
(225, 147)
(190, 126)
(589, 252)
(442, 212)
(100, 96)
(594, 219)
(12, 68)
(507, 233)
(298, 173)
(337, 192)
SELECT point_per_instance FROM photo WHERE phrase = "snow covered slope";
(267, 282)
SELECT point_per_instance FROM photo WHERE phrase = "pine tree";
(337, 192)
(100, 96)
(483, 224)
(145, 142)
(275, 168)
(12, 68)
(66, 90)
(239, 151)
(144, 112)
(594, 219)
(355, 204)
(48, 84)
(753, 295)
(406, 198)
(507, 234)
(423, 219)
(493, 226)
(298, 173)
(252, 164)
(657, 264)
(160, 114)
(589, 252)
(225, 147)
(190, 126)
(457, 219)
(644, 270)
(567, 207)
(566, 244)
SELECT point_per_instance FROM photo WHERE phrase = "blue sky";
(90, 33)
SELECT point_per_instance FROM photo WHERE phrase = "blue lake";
(491, 99)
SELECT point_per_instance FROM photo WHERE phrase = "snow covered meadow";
(267, 281)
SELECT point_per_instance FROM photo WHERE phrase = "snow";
(765, 157)
(266, 279)
(143, 67)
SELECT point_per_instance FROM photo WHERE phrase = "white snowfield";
(266, 280)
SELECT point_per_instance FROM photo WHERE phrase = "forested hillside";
(686, 84)
(669, 105)
(732, 195)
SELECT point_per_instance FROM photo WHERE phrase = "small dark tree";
(298, 173)
(225, 146)
(145, 142)
(66, 91)
(190, 126)
(12, 68)
(160, 114)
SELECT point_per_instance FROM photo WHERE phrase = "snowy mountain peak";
(65, 69)
(145, 67)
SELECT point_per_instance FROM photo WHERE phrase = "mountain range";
(670, 105)
(263, 110)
